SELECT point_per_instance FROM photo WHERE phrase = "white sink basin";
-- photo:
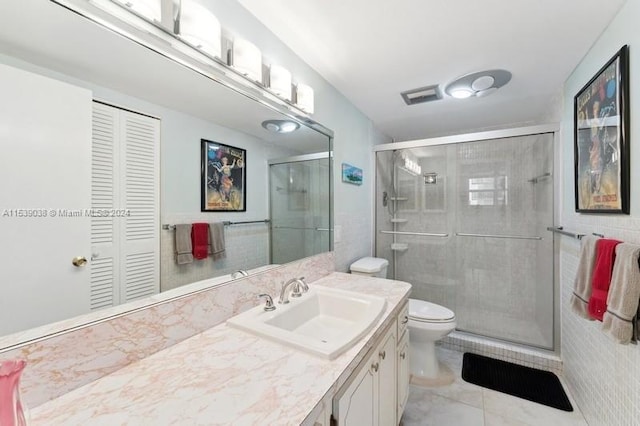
(324, 321)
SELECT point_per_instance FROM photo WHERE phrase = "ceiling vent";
(422, 95)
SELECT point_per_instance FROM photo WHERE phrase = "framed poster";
(222, 178)
(601, 139)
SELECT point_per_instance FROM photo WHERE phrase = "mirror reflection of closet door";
(125, 261)
(45, 126)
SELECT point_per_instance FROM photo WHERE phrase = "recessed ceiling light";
(280, 126)
(478, 84)
(461, 93)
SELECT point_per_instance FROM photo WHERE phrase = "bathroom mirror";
(190, 103)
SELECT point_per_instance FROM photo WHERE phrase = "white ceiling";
(371, 50)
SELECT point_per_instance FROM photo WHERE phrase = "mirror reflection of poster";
(223, 177)
(601, 140)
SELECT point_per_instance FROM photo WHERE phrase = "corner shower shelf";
(399, 220)
(399, 199)
(399, 247)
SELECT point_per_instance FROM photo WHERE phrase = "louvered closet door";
(125, 181)
(140, 243)
(104, 195)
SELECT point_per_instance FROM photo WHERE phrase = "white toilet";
(428, 322)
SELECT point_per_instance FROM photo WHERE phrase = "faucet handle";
(305, 286)
(299, 287)
(269, 306)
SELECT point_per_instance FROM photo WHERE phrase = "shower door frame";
(483, 136)
(301, 158)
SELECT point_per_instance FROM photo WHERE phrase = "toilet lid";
(419, 310)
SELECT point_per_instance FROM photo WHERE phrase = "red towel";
(200, 240)
(602, 269)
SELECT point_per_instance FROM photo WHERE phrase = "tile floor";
(464, 404)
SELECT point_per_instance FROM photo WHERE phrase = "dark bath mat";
(539, 386)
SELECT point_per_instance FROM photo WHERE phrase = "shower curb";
(534, 358)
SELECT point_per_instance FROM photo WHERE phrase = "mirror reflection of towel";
(183, 244)
(200, 240)
(216, 231)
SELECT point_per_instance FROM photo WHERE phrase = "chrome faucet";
(268, 306)
(299, 286)
(239, 273)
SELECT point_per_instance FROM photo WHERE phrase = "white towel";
(184, 250)
(582, 284)
(624, 294)
(216, 238)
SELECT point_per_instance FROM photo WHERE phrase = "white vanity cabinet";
(369, 397)
(402, 360)
(404, 373)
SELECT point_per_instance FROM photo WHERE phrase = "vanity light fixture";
(304, 98)
(150, 9)
(280, 81)
(247, 59)
(478, 84)
(280, 126)
(200, 28)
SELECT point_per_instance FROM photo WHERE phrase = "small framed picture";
(601, 139)
(351, 174)
(223, 178)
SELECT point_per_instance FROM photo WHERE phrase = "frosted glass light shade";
(200, 27)
(280, 81)
(247, 59)
(305, 99)
(150, 9)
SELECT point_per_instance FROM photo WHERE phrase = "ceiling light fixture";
(478, 84)
(280, 126)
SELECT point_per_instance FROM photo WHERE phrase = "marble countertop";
(223, 376)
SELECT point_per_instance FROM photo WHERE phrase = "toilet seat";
(427, 312)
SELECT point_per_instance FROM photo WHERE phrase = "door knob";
(79, 261)
(375, 366)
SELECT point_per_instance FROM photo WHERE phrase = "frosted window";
(488, 191)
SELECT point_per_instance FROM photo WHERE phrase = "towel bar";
(168, 227)
(560, 230)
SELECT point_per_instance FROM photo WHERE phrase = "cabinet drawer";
(403, 320)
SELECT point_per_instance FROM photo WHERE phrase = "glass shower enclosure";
(300, 206)
(465, 224)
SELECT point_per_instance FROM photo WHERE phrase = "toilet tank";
(370, 266)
